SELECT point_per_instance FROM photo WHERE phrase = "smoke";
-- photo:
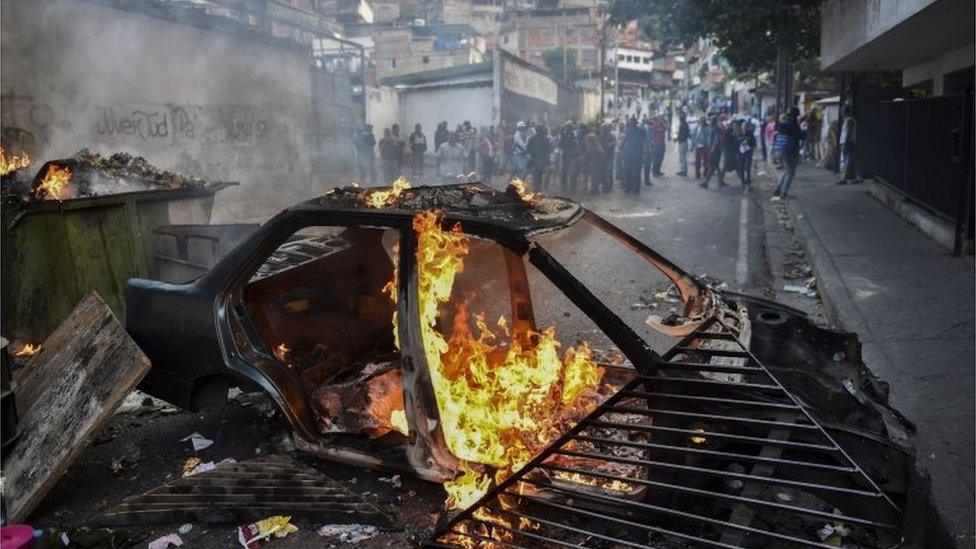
(187, 96)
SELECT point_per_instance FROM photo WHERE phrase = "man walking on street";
(848, 139)
(715, 148)
(452, 157)
(568, 169)
(701, 141)
(399, 146)
(746, 144)
(609, 143)
(632, 151)
(418, 146)
(520, 152)
(684, 134)
(539, 149)
(486, 149)
(658, 143)
(367, 162)
(787, 145)
(388, 156)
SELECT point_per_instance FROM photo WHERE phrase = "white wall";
(382, 109)
(452, 104)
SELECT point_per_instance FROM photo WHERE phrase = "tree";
(749, 34)
(554, 62)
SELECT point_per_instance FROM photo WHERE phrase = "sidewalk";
(912, 304)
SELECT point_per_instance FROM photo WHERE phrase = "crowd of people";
(593, 157)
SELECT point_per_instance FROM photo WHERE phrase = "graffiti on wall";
(231, 124)
(160, 124)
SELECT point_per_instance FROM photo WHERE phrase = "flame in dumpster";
(498, 404)
(382, 199)
(519, 186)
(27, 350)
(12, 162)
(54, 186)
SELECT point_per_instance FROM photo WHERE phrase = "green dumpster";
(55, 252)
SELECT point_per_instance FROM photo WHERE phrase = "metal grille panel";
(707, 450)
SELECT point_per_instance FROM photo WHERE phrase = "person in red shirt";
(658, 136)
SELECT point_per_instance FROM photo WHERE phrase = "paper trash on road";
(349, 533)
(199, 441)
(278, 526)
(166, 541)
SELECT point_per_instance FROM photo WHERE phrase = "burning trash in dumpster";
(88, 174)
(12, 163)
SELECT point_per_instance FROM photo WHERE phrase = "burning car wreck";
(449, 331)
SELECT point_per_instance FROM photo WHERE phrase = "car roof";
(505, 211)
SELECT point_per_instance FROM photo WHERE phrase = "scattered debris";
(797, 289)
(349, 533)
(166, 541)
(199, 441)
(277, 526)
(84, 370)
(195, 465)
(185, 528)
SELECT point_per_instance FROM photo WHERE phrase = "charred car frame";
(755, 412)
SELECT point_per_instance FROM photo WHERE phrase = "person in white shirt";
(520, 154)
(452, 156)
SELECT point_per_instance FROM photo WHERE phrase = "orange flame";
(520, 189)
(27, 350)
(282, 352)
(12, 162)
(498, 404)
(382, 199)
(55, 183)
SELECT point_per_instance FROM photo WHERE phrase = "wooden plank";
(85, 369)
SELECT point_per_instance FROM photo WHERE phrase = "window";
(320, 306)
(647, 60)
(426, 59)
(391, 62)
(643, 290)
(620, 57)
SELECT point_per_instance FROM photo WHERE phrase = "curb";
(829, 281)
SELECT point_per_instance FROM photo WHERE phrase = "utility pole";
(603, 63)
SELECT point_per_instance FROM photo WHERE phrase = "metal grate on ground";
(707, 450)
(244, 491)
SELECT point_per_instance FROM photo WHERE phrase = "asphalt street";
(717, 232)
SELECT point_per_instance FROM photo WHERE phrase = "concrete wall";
(382, 109)
(216, 104)
(924, 38)
(936, 69)
(850, 24)
(454, 104)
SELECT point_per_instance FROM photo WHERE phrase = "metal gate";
(922, 148)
